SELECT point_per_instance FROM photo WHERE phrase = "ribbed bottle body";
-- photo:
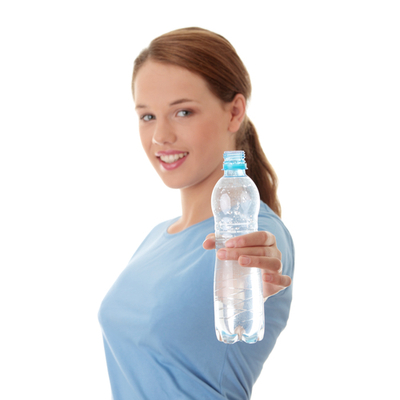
(238, 296)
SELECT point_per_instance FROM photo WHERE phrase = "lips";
(171, 159)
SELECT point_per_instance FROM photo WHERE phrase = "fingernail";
(230, 244)
(222, 254)
(244, 260)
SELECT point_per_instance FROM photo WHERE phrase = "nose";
(163, 133)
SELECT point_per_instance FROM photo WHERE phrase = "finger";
(235, 253)
(209, 242)
(272, 264)
(260, 238)
(276, 279)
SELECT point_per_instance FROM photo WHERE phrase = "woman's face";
(184, 127)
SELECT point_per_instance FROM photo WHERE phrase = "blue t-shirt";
(158, 320)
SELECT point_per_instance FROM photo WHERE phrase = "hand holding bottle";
(256, 249)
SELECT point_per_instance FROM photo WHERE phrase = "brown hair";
(211, 56)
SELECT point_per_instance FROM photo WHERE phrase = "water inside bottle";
(239, 310)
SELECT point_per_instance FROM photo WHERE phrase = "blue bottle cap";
(234, 160)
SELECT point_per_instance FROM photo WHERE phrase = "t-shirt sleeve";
(277, 307)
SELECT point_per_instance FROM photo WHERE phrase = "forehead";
(167, 80)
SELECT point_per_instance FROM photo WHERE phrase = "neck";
(196, 204)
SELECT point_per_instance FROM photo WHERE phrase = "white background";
(78, 195)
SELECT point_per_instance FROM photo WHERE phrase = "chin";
(171, 184)
(176, 184)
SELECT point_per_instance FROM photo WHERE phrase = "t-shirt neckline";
(172, 221)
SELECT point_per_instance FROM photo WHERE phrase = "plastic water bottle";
(238, 295)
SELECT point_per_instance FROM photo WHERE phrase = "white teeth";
(172, 157)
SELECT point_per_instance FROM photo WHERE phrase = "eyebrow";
(179, 101)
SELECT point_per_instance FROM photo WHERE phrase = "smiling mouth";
(171, 158)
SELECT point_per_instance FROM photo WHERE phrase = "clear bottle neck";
(234, 172)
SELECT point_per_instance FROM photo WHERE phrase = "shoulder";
(269, 221)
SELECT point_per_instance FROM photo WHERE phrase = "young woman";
(190, 90)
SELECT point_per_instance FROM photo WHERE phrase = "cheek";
(212, 131)
(146, 142)
(215, 136)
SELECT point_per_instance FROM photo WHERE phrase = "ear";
(237, 108)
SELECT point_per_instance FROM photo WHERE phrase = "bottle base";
(239, 335)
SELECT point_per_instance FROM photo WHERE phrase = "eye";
(147, 117)
(183, 113)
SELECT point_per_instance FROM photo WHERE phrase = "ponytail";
(259, 168)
